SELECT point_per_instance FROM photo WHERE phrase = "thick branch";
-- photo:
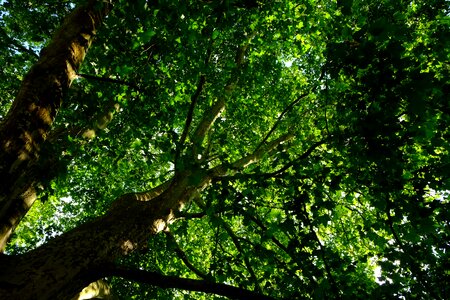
(143, 196)
(206, 123)
(95, 290)
(64, 265)
(164, 281)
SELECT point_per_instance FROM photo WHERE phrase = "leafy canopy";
(356, 204)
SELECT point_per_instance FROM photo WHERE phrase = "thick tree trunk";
(29, 120)
(65, 265)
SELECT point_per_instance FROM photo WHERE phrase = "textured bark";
(96, 290)
(65, 265)
(28, 122)
(62, 267)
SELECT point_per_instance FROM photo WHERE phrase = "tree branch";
(188, 122)
(183, 215)
(194, 99)
(206, 123)
(210, 117)
(224, 170)
(109, 80)
(278, 121)
(142, 196)
(235, 240)
(238, 246)
(301, 157)
(264, 229)
(26, 126)
(282, 169)
(333, 283)
(181, 254)
(96, 290)
(165, 282)
(17, 45)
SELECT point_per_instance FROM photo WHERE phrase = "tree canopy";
(205, 149)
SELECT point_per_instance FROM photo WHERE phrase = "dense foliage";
(354, 205)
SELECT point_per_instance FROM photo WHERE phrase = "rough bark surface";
(28, 122)
(65, 265)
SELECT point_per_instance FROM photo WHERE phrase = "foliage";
(356, 205)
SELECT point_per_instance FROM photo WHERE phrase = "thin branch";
(258, 154)
(188, 122)
(414, 266)
(326, 118)
(264, 229)
(260, 224)
(225, 170)
(184, 257)
(238, 246)
(166, 282)
(391, 227)
(278, 121)
(235, 240)
(217, 108)
(110, 80)
(301, 157)
(199, 215)
(194, 99)
(333, 283)
(285, 167)
(287, 109)
(189, 216)
(17, 45)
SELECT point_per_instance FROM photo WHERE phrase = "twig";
(181, 254)
(238, 246)
(333, 283)
(188, 122)
(16, 44)
(110, 80)
(285, 111)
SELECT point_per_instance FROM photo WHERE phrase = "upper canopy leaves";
(361, 188)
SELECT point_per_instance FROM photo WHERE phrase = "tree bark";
(65, 265)
(28, 122)
(62, 267)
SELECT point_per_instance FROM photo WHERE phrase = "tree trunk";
(62, 267)
(65, 265)
(28, 122)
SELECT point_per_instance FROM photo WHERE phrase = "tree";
(247, 149)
